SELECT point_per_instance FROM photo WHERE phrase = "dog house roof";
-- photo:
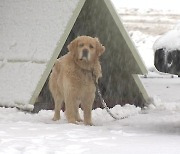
(32, 35)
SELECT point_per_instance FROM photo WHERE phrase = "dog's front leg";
(71, 106)
(87, 108)
(87, 116)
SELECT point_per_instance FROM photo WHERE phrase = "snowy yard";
(155, 130)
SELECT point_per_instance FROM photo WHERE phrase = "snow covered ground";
(155, 130)
(152, 131)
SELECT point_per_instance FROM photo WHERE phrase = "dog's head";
(86, 49)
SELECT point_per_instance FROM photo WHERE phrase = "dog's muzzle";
(85, 53)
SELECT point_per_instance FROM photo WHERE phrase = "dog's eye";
(91, 46)
(81, 45)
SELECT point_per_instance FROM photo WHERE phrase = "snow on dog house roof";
(34, 32)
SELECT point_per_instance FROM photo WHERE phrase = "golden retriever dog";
(71, 80)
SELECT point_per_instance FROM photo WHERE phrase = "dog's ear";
(72, 47)
(99, 47)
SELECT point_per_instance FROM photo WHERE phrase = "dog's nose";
(85, 53)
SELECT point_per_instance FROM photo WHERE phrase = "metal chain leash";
(103, 102)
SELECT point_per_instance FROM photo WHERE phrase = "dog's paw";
(79, 120)
(73, 122)
(88, 123)
(56, 118)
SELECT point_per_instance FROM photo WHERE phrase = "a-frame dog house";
(37, 35)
